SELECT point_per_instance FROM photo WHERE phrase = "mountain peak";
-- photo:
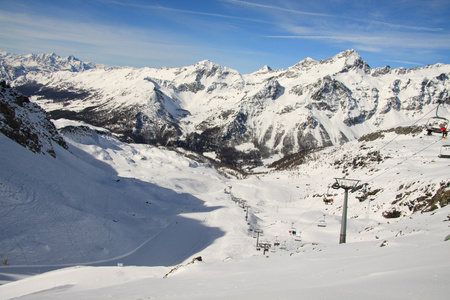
(72, 58)
(263, 70)
(350, 59)
(206, 64)
(349, 56)
(307, 62)
(350, 52)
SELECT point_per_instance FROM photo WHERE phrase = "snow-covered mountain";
(13, 65)
(241, 118)
(137, 217)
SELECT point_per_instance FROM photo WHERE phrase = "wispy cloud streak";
(422, 42)
(183, 11)
(368, 21)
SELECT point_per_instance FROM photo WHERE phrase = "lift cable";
(298, 218)
(399, 163)
(410, 125)
(378, 175)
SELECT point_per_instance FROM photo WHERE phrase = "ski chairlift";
(445, 151)
(264, 245)
(298, 238)
(293, 231)
(322, 222)
(258, 232)
(435, 124)
(327, 200)
(276, 245)
(328, 192)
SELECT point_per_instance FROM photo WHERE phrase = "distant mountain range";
(237, 118)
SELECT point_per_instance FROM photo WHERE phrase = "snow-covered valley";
(118, 218)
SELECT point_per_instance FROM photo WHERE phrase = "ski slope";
(111, 220)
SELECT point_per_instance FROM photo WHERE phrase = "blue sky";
(243, 35)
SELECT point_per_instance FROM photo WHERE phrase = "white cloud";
(31, 33)
(115, 45)
(376, 41)
(405, 62)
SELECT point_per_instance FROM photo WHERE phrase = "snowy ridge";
(13, 65)
(210, 108)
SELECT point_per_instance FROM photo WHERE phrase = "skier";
(444, 132)
(429, 130)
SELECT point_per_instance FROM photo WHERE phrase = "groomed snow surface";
(125, 221)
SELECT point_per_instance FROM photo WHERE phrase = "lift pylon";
(346, 184)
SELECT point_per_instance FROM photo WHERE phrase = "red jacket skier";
(444, 132)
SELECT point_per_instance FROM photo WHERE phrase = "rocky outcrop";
(26, 123)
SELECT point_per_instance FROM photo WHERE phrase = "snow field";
(350, 271)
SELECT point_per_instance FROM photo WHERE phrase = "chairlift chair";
(327, 200)
(445, 151)
(327, 197)
(435, 124)
(298, 237)
(292, 230)
(322, 222)
(328, 192)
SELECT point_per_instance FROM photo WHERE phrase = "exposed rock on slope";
(26, 123)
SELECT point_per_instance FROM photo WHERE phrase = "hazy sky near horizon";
(243, 35)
